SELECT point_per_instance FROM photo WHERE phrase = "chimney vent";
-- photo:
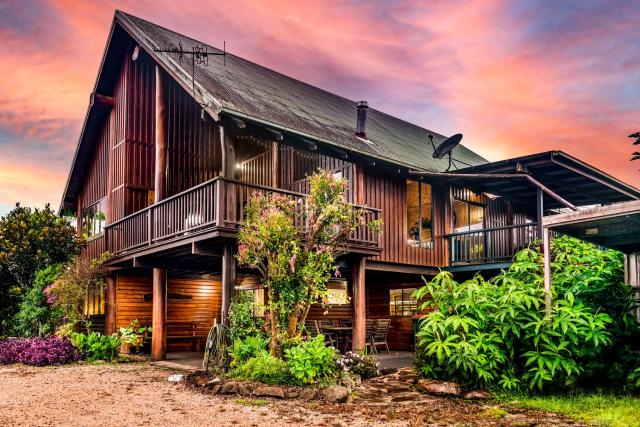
(361, 119)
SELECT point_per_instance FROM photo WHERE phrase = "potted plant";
(132, 336)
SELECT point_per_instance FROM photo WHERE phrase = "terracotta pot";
(125, 348)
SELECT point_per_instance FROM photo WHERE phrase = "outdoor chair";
(329, 338)
(380, 334)
(370, 328)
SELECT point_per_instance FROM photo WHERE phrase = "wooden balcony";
(212, 209)
(490, 245)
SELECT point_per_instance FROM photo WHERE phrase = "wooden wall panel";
(201, 306)
(388, 192)
(377, 290)
(194, 152)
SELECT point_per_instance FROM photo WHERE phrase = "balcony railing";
(217, 204)
(490, 245)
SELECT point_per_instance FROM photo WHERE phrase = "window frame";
(84, 226)
(420, 242)
(469, 204)
(413, 306)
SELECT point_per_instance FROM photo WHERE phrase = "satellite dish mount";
(446, 147)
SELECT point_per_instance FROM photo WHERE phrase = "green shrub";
(264, 368)
(312, 361)
(243, 321)
(96, 346)
(36, 316)
(244, 349)
(484, 334)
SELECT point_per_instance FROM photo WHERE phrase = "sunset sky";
(515, 77)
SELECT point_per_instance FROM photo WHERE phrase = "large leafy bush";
(592, 307)
(95, 346)
(38, 351)
(36, 316)
(312, 361)
(496, 333)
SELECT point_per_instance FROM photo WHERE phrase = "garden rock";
(477, 395)
(349, 383)
(335, 394)
(291, 394)
(269, 391)
(308, 394)
(216, 389)
(202, 380)
(440, 388)
(176, 378)
(229, 388)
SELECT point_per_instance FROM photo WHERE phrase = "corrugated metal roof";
(249, 89)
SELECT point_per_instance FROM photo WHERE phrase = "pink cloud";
(477, 68)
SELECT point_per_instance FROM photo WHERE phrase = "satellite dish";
(446, 146)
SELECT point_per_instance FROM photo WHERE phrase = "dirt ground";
(139, 394)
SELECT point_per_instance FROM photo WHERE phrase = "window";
(419, 214)
(467, 216)
(337, 292)
(94, 218)
(402, 303)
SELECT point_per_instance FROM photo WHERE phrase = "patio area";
(191, 361)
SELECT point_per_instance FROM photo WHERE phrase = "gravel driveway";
(139, 394)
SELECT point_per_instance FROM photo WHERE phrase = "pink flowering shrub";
(294, 246)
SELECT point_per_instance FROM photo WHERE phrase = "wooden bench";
(185, 331)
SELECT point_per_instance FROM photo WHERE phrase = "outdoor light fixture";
(136, 52)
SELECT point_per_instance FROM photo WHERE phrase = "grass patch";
(596, 409)
(494, 412)
(252, 402)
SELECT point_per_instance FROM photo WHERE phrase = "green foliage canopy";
(496, 333)
(30, 240)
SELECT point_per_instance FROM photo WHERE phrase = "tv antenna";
(445, 148)
(200, 55)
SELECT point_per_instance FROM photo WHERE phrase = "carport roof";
(614, 226)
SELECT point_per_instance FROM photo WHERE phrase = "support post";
(274, 164)
(159, 294)
(359, 304)
(228, 280)
(159, 315)
(110, 306)
(632, 277)
(546, 247)
(539, 210)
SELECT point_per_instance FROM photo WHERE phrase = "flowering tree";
(295, 261)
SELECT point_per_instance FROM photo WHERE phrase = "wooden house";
(172, 147)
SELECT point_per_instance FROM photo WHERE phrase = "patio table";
(342, 333)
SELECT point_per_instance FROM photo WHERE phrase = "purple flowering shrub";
(38, 351)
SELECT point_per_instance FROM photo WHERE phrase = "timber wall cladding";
(377, 290)
(388, 191)
(200, 306)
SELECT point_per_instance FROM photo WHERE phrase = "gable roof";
(242, 88)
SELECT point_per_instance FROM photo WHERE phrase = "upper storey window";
(419, 214)
(94, 219)
(467, 216)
